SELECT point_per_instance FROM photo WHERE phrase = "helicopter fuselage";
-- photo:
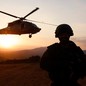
(20, 27)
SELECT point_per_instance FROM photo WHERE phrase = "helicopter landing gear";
(30, 35)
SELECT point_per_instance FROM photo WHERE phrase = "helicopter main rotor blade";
(31, 12)
(43, 22)
(9, 14)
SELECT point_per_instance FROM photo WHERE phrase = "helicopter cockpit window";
(34, 25)
(10, 24)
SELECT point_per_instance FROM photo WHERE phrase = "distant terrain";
(21, 54)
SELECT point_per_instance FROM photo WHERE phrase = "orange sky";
(51, 11)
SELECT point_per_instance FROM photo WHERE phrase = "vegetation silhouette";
(32, 59)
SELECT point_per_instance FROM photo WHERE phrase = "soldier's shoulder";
(53, 45)
(75, 46)
(72, 43)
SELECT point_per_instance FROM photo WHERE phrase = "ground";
(23, 74)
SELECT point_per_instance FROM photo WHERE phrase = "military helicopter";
(20, 26)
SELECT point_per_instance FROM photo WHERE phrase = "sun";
(8, 41)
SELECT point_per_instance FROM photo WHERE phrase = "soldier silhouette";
(64, 60)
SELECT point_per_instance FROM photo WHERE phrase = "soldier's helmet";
(64, 28)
